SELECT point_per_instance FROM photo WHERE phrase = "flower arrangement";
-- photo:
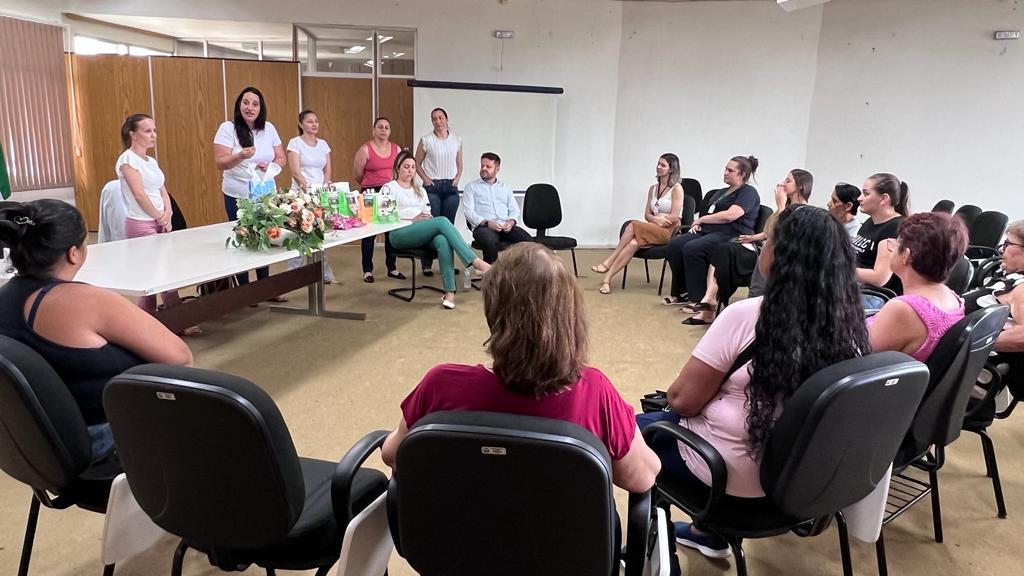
(292, 218)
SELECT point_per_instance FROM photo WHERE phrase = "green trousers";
(437, 233)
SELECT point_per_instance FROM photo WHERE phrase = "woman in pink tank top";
(927, 249)
(373, 167)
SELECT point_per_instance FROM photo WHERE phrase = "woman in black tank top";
(87, 334)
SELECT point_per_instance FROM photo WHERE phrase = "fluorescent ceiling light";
(397, 54)
(368, 63)
(380, 37)
(355, 49)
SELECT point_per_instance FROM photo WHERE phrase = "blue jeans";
(231, 208)
(443, 196)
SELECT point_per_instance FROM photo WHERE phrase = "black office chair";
(177, 218)
(473, 493)
(982, 413)
(943, 206)
(210, 459)
(656, 252)
(953, 366)
(967, 213)
(763, 214)
(45, 444)
(820, 457)
(985, 232)
(961, 276)
(542, 210)
(987, 271)
(692, 189)
(413, 254)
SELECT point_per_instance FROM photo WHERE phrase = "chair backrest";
(43, 439)
(839, 432)
(112, 213)
(692, 189)
(178, 217)
(207, 455)
(961, 275)
(471, 492)
(988, 229)
(953, 366)
(763, 214)
(689, 209)
(705, 203)
(943, 206)
(967, 213)
(541, 207)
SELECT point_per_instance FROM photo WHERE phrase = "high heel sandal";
(599, 268)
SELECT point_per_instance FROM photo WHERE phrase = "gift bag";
(386, 206)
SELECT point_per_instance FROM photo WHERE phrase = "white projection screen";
(517, 126)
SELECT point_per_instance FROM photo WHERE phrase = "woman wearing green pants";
(425, 231)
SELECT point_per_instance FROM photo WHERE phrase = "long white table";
(154, 264)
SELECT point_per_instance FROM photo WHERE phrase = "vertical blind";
(34, 126)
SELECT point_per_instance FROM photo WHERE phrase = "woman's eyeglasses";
(1006, 244)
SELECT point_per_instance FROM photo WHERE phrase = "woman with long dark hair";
(245, 146)
(812, 306)
(661, 215)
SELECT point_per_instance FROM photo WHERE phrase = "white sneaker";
(447, 304)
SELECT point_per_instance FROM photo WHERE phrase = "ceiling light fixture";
(355, 49)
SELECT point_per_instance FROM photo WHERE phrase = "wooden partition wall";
(191, 97)
(188, 103)
(345, 109)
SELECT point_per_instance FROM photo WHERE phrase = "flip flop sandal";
(694, 321)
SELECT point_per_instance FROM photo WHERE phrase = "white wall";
(41, 10)
(709, 81)
(919, 88)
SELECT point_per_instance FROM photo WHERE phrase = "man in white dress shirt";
(491, 210)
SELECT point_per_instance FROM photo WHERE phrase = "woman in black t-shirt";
(884, 198)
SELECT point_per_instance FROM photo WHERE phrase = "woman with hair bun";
(731, 211)
(884, 198)
(87, 334)
(843, 204)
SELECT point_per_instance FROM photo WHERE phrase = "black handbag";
(657, 401)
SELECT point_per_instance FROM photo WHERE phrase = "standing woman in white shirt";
(439, 164)
(248, 142)
(309, 161)
(147, 204)
(427, 231)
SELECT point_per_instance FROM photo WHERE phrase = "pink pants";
(136, 229)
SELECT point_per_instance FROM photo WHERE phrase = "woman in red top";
(538, 367)
(372, 168)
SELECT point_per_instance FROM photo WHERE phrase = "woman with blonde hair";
(539, 345)
(435, 232)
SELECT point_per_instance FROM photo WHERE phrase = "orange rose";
(273, 233)
(319, 213)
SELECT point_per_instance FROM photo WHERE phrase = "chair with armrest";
(473, 493)
(953, 369)
(657, 252)
(542, 210)
(692, 190)
(819, 458)
(45, 444)
(967, 213)
(209, 458)
(986, 271)
(961, 276)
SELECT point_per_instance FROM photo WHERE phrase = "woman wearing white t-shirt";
(439, 164)
(147, 205)
(427, 231)
(309, 161)
(247, 144)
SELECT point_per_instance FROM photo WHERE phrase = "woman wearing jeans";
(426, 230)
(439, 164)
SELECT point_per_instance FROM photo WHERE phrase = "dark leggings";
(231, 207)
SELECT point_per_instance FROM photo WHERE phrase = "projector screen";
(517, 126)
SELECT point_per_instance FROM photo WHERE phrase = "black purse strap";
(745, 356)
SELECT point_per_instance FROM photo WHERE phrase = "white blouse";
(312, 159)
(410, 205)
(152, 182)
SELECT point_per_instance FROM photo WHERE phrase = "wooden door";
(106, 90)
(394, 100)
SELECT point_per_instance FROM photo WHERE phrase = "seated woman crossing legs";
(661, 216)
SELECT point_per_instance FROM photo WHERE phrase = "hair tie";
(24, 221)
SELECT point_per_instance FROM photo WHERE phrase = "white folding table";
(154, 264)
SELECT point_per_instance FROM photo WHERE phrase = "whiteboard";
(517, 126)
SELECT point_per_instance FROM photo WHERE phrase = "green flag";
(5, 181)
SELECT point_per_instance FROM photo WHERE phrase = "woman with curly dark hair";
(810, 317)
